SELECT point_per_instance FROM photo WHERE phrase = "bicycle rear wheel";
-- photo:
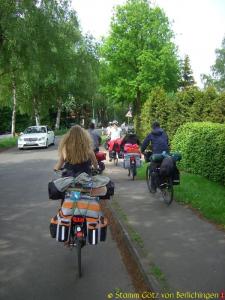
(167, 191)
(79, 257)
(148, 178)
(133, 172)
(116, 160)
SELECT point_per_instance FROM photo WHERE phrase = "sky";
(199, 26)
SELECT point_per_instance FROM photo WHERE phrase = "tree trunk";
(137, 111)
(13, 128)
(36, 113)
(58, 117)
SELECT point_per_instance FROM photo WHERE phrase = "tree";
(219, 67)
(187, 78)
(139, 54)
(12, 47)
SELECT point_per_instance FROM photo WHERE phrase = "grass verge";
(135, 237)
(207, 197)
(152, 269)
(8, 142)
(61, 131)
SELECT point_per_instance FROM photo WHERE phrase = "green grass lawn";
(103, 137)
(8, 142)
(61, 131)
(200, 193)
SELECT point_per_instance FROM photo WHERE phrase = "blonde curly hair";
(76, 145)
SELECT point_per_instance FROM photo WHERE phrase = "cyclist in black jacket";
(159, 143)
(157, 138)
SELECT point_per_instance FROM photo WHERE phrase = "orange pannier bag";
(132, 148)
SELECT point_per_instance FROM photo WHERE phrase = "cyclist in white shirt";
(116, 131)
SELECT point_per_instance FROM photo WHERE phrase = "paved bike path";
(189, 251)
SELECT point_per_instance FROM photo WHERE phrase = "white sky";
(199, 26)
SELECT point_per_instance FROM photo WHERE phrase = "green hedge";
(202, 145)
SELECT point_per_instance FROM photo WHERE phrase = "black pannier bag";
(53, 227)
(176, 176)
(63, 230)
(53, 193)
(167, 167)
(110, 190)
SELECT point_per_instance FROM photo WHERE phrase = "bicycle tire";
(167, 192)
(133, 172)
(148, 178)
(79, 258)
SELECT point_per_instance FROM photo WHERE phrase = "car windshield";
(35, 130)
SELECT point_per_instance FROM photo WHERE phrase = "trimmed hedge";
(202, 145)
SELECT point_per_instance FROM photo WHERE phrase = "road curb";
(136, 263)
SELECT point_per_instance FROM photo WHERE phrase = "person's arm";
(120, 132)
(93, 160)
(59, 163)
(145, 143)
(167, 140)
(99, 140)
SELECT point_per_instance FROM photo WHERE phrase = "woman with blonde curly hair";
(75, 152)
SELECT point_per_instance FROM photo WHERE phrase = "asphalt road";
(32, 264)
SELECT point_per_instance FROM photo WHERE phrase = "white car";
(36, 136)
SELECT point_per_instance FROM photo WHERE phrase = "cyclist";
(75, 152)
(115, 138)
(130, 138)
(158, 139)
(116, 131)
(95, 137)
(159, 143)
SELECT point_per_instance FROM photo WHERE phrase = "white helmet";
(115, 122)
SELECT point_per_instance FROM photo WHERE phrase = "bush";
(157, 107)
(203, 149)
(8, 142)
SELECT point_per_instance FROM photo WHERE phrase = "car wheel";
(53, 142)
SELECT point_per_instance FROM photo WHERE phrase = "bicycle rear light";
(78, 219)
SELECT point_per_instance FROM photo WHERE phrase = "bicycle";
(84, 228)
(73, 226)
(132, 170)
(154, 182)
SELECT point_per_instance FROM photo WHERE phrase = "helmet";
(130, 131)
(115, 122)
